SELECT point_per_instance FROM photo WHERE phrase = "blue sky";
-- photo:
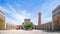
(17, 10)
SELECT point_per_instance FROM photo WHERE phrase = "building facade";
(10, 26)
(56, 18)
(47, 26)
(2, 20)
(55, 24)
(26, 21)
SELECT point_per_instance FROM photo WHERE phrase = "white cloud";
(25, 13)
(17, 17)
(11, 21)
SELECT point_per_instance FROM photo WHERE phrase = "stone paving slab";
(26, 32)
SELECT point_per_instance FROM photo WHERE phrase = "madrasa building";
(2, 20)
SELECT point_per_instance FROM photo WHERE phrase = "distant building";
(26, 21)
(10, 26)
(46, 26)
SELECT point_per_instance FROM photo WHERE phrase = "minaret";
(39, 19)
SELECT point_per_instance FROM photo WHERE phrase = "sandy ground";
(26, 32)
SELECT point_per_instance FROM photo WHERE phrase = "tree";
(29, 25)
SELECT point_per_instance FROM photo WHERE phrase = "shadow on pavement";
(51, 30)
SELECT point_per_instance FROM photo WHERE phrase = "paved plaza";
(26, 32)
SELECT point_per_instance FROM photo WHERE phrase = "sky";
(18, 10)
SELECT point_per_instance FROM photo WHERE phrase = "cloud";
(17, 11)
(11, 21)
(15, 16)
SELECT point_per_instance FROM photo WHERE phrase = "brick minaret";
(39, 19)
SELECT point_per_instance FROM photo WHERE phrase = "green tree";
(29, 25)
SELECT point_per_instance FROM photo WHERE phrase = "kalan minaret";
(39, 19)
